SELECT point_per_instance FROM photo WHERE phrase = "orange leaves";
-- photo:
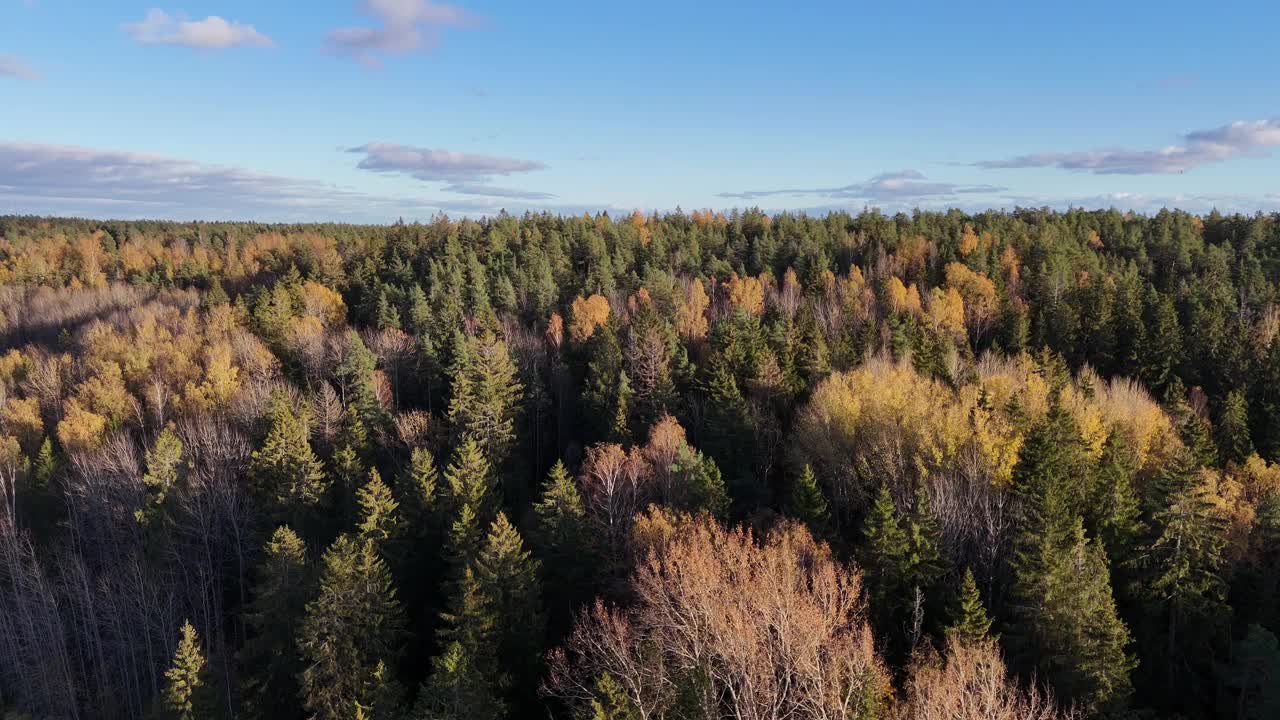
(979, 295)
(80, 429)
(968, 241)
(746, 293)
(587, 314)
(946, 312)
(21, 417)
(902, 299)
(691, 313)
(778, 620)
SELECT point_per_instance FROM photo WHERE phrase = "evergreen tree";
(379, 510)
(1067, 626)
(351, 628)
(807, 504)
(471, 502)
(269, 658)
(1160, 354)
(1234, 443)
(611, 701)
(969, 620)
(187, 693)
(563, 539)
(1113, 513)
(1252, 678)
(355, 373)
(1181, 583)
(486, 396)
(508, 581)
(164, 461)
(456, 690)
(885, 561)
(285, 471)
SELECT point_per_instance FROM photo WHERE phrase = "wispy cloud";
(405, 26)
(1148, 203)
(64, 179)
(11, 66)
(1199, 147)
(211, 33)
(903, 186)
(463, 173)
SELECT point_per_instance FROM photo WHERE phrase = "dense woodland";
(1006, 466)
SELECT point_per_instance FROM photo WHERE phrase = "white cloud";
(463, 173)
(1199, 147)
(211, 33)
(902, 187)
(63, 179)
(406, 26)
(11, 66)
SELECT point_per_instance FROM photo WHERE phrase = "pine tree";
(610, 701)
(355, 373)
(508, 582)
(1181, 582)
(164, 461)
(418, 490)
(353, 625)
(807, 504)
(1113, 512)
(285, 470)
(969, 620)
(379, 510)
(486, 396)
(470, 499)
(1234, 443)
(1160, 354)
(187, 693)
(1066, 625)
(388, 316)
(269, 659)
(564, 541)
(456, 690)
(884, 559)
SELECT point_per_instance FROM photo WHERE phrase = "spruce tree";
(610, 701)
(471, 502)
(970, 622)
(486, 396)
(512, 596)
(456, 690)
(269, 658)
(1232, 433)
(563, 539)
(356, 375)
(807, 504)
(352, 626)
(285, 471)
(164, 467)
(1113, 513)
(379, 512)
(884, 559)
(187, 693)
(1181, 582)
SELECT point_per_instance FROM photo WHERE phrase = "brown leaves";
(972, 684)
(776, 627)
(587, 314)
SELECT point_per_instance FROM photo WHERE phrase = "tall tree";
(285, 471)
(269, 657)
(187, 693)
(351, 629)
(486, 396)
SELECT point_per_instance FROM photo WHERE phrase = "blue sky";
(368, 110)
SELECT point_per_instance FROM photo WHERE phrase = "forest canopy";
(1019, 465)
